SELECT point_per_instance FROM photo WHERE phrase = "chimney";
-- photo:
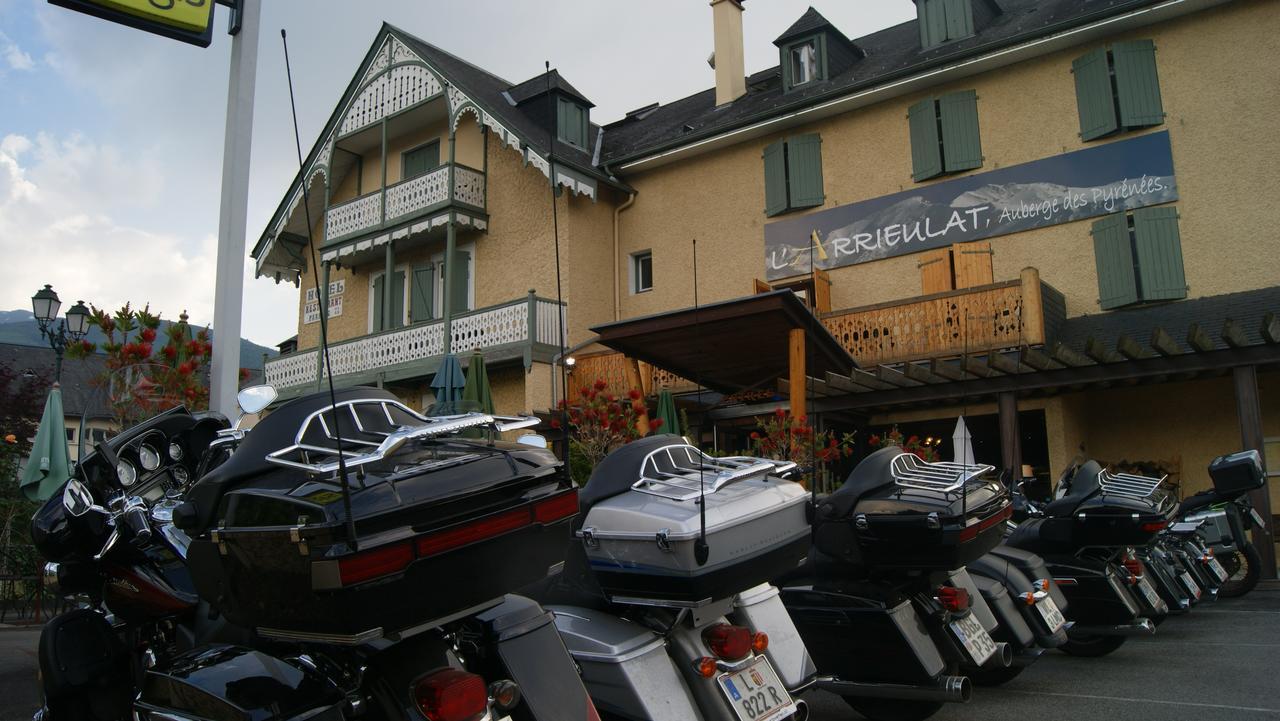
(731, 78)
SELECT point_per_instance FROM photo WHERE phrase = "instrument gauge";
(149, 458)
(127, 474)
(180, 475)
(175, 451)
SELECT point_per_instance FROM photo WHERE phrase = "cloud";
(16, 57)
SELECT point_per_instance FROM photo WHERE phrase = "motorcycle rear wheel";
(1091, 646)
(892, 709)
(1245, 567)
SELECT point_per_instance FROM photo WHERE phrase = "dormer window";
(571, 123)
(804, 62)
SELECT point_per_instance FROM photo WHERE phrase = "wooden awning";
(730, 346)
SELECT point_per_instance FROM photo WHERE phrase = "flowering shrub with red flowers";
(600, 422)
(785, 437)
(910, 444)
(142, 381)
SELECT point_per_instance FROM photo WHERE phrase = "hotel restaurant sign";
(1082, 184)
(187, 20)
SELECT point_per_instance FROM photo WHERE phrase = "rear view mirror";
(254, 399)
(78, 500)
(532, 439)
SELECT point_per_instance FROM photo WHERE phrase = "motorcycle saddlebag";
(84, 663)
(231, 682)
(1237, 473)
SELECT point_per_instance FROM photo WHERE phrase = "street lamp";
(74, 327)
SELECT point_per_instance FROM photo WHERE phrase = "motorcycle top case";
(1237, 473)
(881, 518)
(1090, 514)
(642, 520)
(443, 526)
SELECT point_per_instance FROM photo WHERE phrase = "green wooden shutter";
(1093, 94)
(1137, 85)
(961, 142)
(1159, 250)
(461, 276)
(422, 292)
(926, 156)
(397, 300)
(932, 21)
(1113, 255)
(378, 297)
(804, 169)
(775, 178)
(959, 18)
(420, 160)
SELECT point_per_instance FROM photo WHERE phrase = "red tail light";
(1154, 526)
(378, 562)
(496, 525)
(451, 695)
(728, 642)
(953, 599)
(970, 533)
(1134, 567)
(557, 507)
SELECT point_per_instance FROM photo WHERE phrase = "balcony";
(528, 328)
(1023, 312)
(406, 201)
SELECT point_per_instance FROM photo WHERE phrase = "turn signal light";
(729, 642)
(505, 694)
(451, 695)
(953, 599)
(1029, 598)
(1043, 584)
(705, 666)
(760, 642)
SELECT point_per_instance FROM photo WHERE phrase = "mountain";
(19, 328)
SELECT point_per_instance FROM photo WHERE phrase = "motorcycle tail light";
(953, 599)
(557, 507)
(1134, 567)
(1154, 526)
(705, 666)
(760, 642)
(379, 562)
(451, 695)
(728, 642)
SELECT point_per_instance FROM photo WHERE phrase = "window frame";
(1273, 469)
(562, 123)
(819, 43)
(638, 259)
(421, 146)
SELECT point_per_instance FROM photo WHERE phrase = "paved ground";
(1216, 664)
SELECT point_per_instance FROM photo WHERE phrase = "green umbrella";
(667, 413)
(448, 385)
(477, 387)
(49, 465)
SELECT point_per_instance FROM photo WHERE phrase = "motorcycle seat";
(1041, 536)
(1062, 507)
(1199, 501)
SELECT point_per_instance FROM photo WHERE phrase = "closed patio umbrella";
(49, 465)
(477, 387)
(448, 385)
(962, 444)
(667, 414)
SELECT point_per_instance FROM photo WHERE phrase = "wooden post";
(797, 372)
(1032, 308)
(1249, 412)
(1010, 436)
(633, 381)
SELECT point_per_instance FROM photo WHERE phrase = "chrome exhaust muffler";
(1027, 656)
(802, 711)
(1002, 658)
(1143, 627)
(948, 689)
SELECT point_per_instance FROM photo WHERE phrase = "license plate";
(1050, 613)
(1149, 592)
(1217, 569)
(755, 693)
(1257, 518)
(1190, 584)
(977, 642)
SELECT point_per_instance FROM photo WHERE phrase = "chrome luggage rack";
(1128, 484)
(393, 423)
(911, 472)
(681, 472)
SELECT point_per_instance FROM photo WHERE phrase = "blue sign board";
(1082, 184)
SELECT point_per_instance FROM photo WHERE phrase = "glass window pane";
(1271, 457)
(804, 63)
(643, 272)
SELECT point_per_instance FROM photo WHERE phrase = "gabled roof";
(541, 84)
(81, 394)
(890, 54)
(809, 23)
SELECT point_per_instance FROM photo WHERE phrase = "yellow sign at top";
(190, 15)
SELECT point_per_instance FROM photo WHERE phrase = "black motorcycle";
(1226, 516)
(283, 573)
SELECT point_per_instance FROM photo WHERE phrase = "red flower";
(779, 412)
(147, 335)
(600, 384)
(755, 436)
(170, 352)
(873, 440)
(633, 394)
(555, 424)
(913, 439)
(655, 424)
(585, 393)
(144, 349)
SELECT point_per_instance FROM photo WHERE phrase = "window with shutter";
(1094, 97)
(422, 293)
(943, 20)
(1117, 88)
(775, 178)
(1113, 256)
(972, 263)
(926, 150)
(571, 122)
(961, 142)
(461, 281)
(804, 171)
(936, 275)
(396, 318)
(421, 159)
(377, 303)
(1158, 249)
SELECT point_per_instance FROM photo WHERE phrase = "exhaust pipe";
(1002, 658)
(802, 711)
(947, 689)
(1027, 656)
(1143, 627)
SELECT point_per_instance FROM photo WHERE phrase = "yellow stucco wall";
(1222, 146)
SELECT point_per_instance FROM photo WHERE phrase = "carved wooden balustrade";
(611, 368)
(406, 199)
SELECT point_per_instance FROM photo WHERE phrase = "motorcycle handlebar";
(135, 519)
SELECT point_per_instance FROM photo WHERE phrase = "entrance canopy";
(733, 345)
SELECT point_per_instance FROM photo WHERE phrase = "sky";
(111, 138)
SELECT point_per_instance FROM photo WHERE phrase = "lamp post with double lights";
(73, 328)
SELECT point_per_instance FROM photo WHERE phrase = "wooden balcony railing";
(971, 320)
(611, 368)
(398, 202)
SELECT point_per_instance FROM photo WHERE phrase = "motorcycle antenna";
(555, 232)
(701, 551)
(808, 385)
(320, 298)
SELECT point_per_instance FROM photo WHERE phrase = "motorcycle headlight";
(127, 474)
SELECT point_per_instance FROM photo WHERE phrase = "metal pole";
(228, 296)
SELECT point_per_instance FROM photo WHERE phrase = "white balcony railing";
(403, 200)
(526, 322)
